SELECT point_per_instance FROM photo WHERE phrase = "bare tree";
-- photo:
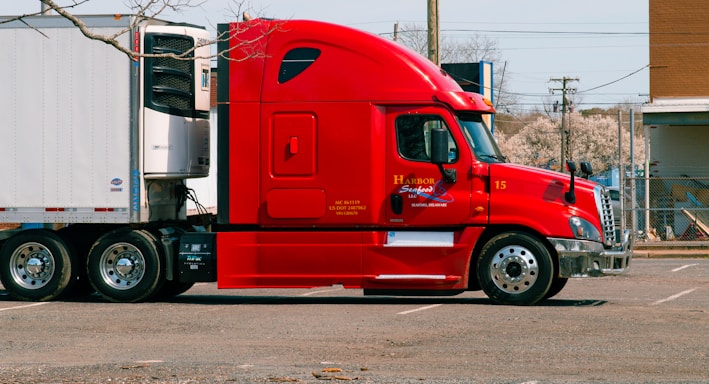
(474, 49)
(141, 10)
(415, 37)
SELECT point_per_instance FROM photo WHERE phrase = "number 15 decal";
(500, 184)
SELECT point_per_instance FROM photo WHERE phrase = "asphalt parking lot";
(649, 326)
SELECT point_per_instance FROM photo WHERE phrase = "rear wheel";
(172, 289)
(126, 265)
(515, 268)
(36, 265)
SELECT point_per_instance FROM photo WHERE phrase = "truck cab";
(378, 171)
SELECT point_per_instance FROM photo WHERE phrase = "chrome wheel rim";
(122, 266)
(32, 265)
(514, 269)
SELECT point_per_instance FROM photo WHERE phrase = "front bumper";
(582, 258)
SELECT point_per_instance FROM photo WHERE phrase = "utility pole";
(434, 41)
(45, 9)
(564, 132)
(396, 31)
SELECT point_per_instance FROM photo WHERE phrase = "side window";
(413, 137)
(295, 62)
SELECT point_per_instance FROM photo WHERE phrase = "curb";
(671, 253)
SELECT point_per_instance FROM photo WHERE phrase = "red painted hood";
(534, 198)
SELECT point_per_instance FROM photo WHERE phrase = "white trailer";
(94, 139)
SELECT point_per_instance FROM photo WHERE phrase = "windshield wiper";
(500, 158)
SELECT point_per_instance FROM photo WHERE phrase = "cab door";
(418, 194)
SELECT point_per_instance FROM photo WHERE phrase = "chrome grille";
(605, 210)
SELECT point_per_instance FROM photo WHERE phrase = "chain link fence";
(667, 209)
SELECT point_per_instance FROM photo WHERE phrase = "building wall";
(677, 156)
(679, 48)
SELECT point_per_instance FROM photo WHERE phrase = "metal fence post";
(621, 171)
(633, 202)
(647, 179)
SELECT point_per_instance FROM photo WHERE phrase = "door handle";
(397, 203)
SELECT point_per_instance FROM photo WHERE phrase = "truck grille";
(169, 82)
(605, 210)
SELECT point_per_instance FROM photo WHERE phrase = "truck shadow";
(310, 300)
(366, 300)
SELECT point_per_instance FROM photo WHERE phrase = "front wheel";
(556, 286)
(36, 265)
(126, 266)
(515, 268)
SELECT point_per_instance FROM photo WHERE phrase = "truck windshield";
(480, 138)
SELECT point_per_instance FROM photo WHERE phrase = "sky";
(602, 43)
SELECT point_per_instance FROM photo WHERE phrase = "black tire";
(171, 289)
(36, 265)
(126, 266)
(556, 286)
(515, 268)
(81, 238)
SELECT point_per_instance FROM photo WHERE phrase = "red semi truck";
(347, 159)
(343, 159)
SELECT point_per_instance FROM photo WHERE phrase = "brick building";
(678, 112)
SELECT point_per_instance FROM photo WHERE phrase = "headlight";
(584, 230)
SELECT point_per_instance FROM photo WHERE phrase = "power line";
(572, 33)
(616, 80)
(531, 32)
(585, 92)
(557, 33)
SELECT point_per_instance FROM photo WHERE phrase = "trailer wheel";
(36, 265)
(172, 288)
(515, 268)
(126, 266)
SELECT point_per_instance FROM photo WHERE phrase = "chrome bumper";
(581, 258)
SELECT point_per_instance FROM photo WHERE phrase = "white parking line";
(24, 306)
(683, 267)
(322, 291)
(419, 309)
(673, 297)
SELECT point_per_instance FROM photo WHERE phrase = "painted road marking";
(322, 291)
(673, 297)
(683, 267)
(419, 309)
(24, 306)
